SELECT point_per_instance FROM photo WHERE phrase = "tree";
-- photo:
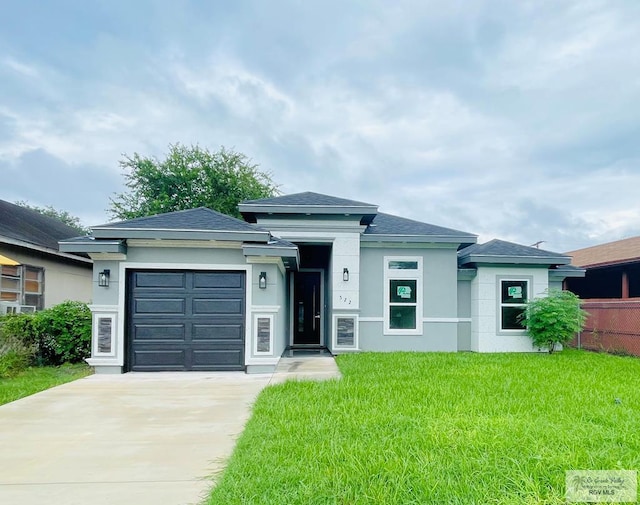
(60, 215)
(189, 177)
(554, 319)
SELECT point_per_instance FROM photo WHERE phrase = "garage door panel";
(218, 332)
(227, 358)
(164, 306)
(160, 280)
(217, 306)
(186, 320)
(146, 332)
(154, 357)
(211, 280)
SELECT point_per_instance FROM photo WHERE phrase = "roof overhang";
(564, 271)
(290, 255)
(45, 250)
(365, 213)
(513, 260)
(114, 232)
(450, 239)
(89, 245)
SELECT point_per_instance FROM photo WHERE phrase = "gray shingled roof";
(26, 225)
(500, 251)
(201, 218)
(308, 198)
(195, 224)
(387, 224)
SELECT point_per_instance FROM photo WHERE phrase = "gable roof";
(196, 224)
(387, 226)
(307, 203)
(612, 253)
(23, 227)
(501, 251)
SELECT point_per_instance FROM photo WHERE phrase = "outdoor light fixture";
(262, 280)
(103, 278)
(345, 274)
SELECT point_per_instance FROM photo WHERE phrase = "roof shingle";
(26, 225)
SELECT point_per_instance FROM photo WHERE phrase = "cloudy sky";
(517, 120)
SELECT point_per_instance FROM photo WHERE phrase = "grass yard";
(409, 428)
(35, 379)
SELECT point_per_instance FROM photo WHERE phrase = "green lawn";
(35, 379)
(409, 428)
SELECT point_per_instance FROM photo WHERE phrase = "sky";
(517, 120)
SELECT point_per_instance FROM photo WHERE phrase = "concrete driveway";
(136, 438)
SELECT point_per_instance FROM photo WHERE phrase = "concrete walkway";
(136, 438)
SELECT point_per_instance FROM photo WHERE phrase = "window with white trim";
(403, 295)
(514, 294)
(22, 284)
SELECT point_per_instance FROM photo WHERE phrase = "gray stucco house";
(198, 290)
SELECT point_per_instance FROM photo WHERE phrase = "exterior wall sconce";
(262, 280)
(103, 278)
(345, 274)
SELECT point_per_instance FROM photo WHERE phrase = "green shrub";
(554, 319)
(64, 333)
(61, 334)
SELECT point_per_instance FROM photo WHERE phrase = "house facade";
(198, 290)
(34, 273)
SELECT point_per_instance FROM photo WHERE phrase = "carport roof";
(196, 224)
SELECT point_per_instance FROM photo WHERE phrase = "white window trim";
(392, 274)
(271, 319)
(500, 280)
(356, 333)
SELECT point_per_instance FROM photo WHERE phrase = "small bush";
(12, 362)
(554, 319)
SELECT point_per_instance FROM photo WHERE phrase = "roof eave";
(359, 210)
(169, 234)
(46, 250)
(95, 246)
(451, 239)
(516, 260)
(284, 252)
(562, 273)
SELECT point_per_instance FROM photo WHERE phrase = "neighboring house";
(611, 295)
(198, 290)
(34, 274)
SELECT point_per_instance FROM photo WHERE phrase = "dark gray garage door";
(186, 320)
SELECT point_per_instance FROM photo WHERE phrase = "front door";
(307, 308)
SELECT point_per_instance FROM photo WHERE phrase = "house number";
(345, 300)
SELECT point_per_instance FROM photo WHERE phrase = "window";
(10, 284)
(22, 284)
(513, 299)
(403, 295)
(33, 278)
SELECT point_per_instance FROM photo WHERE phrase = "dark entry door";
(307, 317)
